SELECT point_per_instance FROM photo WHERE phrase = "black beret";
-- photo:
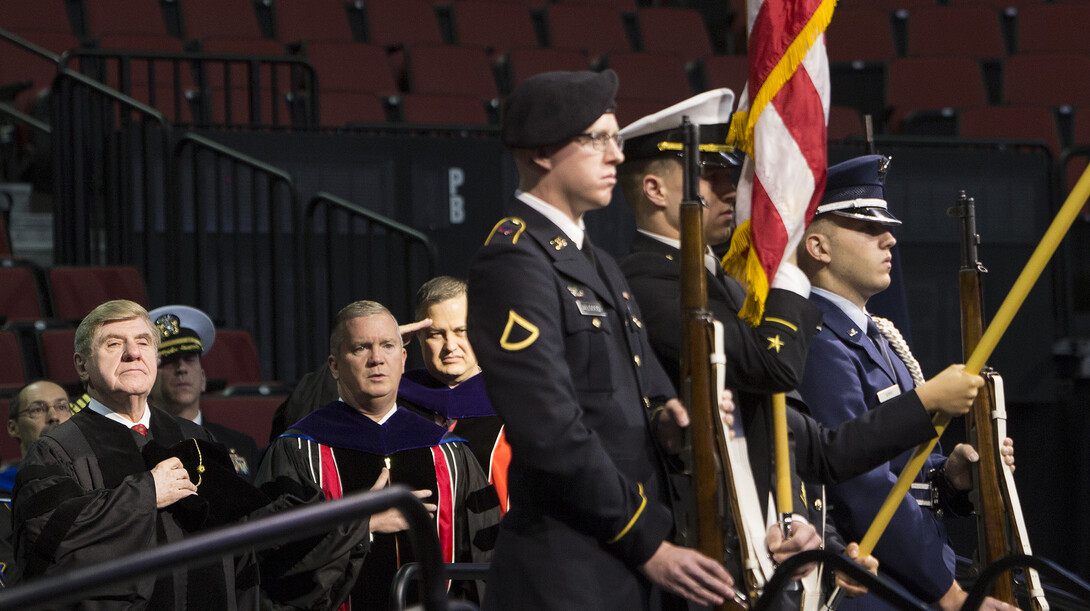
(552, 107)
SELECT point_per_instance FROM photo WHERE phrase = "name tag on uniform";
(888, 393)
(590, 307)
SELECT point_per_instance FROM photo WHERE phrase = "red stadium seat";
(336, 108)
(492, 25)
(443, 109)
(1054, 28)
(247, 414)
(523, 63)
(41, 16)
(619, 5)
(844, 121)
(20, 66)
(676, 30)
(932, 83)
(19, 294)
(590, 29)
(12, 371)
(941, 30)
(1012, 122)
(57, 347)
(125, 17)
(402, 23)
(1052, 79)
(654, 77)
(310, 20)
(233, 358)
(860, 34)
(451, 70)
(725, 71)
(77, 290)
(351, 66)
(219, 19)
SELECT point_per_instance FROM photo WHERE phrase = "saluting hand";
(407, 331)
(172, 482)
(391, 520)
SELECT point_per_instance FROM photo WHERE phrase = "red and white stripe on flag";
(780, 124)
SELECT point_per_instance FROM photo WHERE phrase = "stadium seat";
(76, 290)
(219, 19)
(311, 20)
(860, 34)
(451, 70)
(628, 110)
(247, 414)
(175, 105)
(12, 372)
(125, 17)
(655, 77)
(402, 23)
(443, 109)
(676, 30)
(945, 30)
(233, 358)
(1012, 122)
(20, 297)
(37, 72)
(41, 16)
(1054, 28)
(140, 42)
(336, 108)
(591, 29)
(519, 64)
(9, 447)
(492, 25)
(896, 5)
(844, 122)
(725, 71)
(57, 347)
(932, 83)
(351, 66)
(1052, 79)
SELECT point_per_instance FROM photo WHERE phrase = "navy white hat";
(183, 330)
(856, 189)
(660, 134)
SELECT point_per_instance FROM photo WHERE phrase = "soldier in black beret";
(568, 367)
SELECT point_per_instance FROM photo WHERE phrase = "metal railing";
(258, 534)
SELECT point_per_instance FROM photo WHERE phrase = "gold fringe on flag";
(742, 264)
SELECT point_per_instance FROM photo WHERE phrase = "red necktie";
(140, 428)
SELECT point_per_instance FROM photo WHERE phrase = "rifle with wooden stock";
(699, 393)
(995, 497)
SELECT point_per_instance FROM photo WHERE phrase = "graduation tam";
(552, 107)
(856, 189)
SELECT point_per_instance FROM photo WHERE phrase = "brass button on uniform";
(638, 360)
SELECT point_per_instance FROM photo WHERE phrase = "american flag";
(780, 124)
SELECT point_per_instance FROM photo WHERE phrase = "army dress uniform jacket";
(845, 372)
(568, 367)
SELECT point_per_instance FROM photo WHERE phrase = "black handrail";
(1071, 583)
(455, 571)
(884, 588)
(29, 46)
(258, 534)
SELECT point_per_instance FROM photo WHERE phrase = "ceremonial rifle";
(699, 393)
(995, 496)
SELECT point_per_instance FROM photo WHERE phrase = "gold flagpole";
(784, 502)
(1037, 261)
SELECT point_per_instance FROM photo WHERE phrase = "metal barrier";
(882, 587)
(352, 253)
(258, 534)
(455, 571)
(1073, 586)
(235, 218)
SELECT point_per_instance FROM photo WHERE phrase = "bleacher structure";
(270, 161)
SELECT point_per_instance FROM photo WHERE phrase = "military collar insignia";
(558, 242)
(575, 290)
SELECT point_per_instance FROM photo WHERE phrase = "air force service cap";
(856, 189)
(552, 107)
(659, 134)
(183, 330)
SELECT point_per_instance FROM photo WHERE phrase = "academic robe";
(468, 413)
(845, 373)
(84, 495)
(567, 365)
(336, 451)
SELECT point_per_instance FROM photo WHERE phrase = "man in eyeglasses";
(35, 409)
(567, 366)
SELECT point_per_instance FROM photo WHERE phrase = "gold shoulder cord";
(200, 462)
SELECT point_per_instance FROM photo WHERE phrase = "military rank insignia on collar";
(558, 242)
